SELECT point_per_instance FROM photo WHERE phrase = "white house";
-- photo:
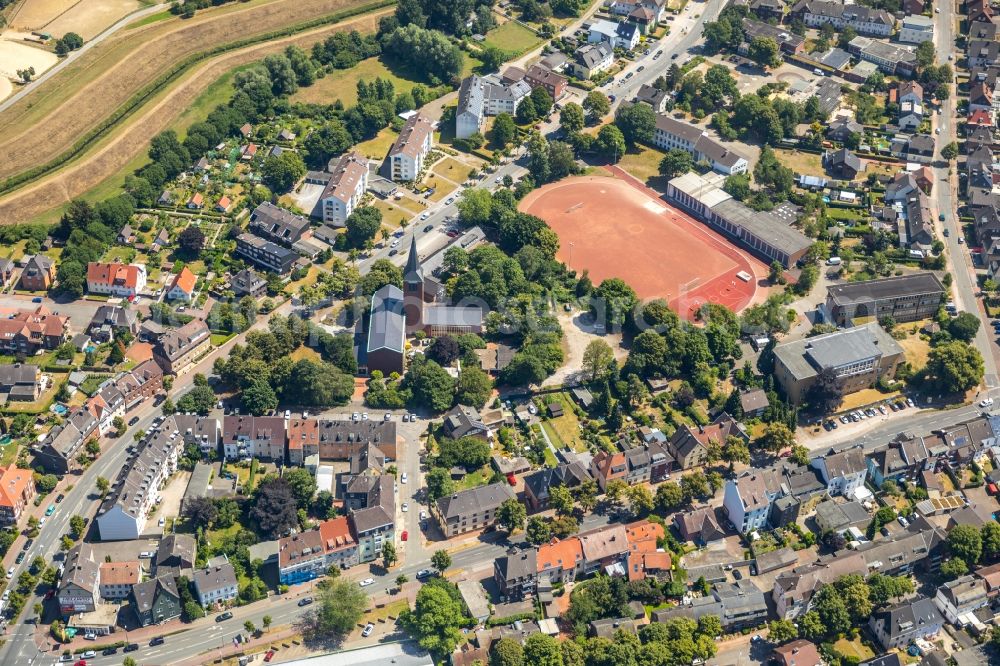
(620, 35)
(479, 97)
(749, 497)
(116, 279)
(843, 472)
(961, 596)
(626, 7)
(671, 133)
(911, 114)
(106, 405)
(591, 59)
(407, 155)
(916, 29)
(216, 583)
(182, 286)
(345, 188)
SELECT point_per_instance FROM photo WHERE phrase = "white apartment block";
(407, 155)
(916, 29)
(346, 188)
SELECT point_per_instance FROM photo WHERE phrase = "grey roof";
(380, 511)
(920, 144)
(387, 328)
(213, 578)
(179, 341)
(901, 286)
(829, 94)
(12, 374)
(452, 315)
(857, 13)
(413, 273)
(590, 55)
(474, 500)
(144, 594)
(776, 559)
(470, 96)
(673, 126)
(199, 482)
(66, 438)
(839, 516)
(521, 565)
(836, 57)
(763, 225)
(277, 223)
(908, 616)
(247, 281)
(115, 316)
(806, 358)
(81, 569)
(179, 546)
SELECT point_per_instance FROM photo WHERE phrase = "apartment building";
(38, 274)
(479, 97)
(671, 133)
(30, 331)
(689, 445)
(916, 29)
(306, 555)
(116, 279)
(904, 298)
(375, 523)
(178, 348)
(902, 624)
(472, 509)
(64, 442)
(254, 437)
(265, 254)
(748, 498)
(117, 579)
(78, 587)
(408, 152)
(17, 490)
(844, 471)
(345, 189)
(278, 225)
(864, 20)
(541, 77)
(156, 600)
(958, 599)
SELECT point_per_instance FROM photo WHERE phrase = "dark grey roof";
(214, 578)
(247, 281)
(908, 616)
(413, 273)
(763, 225)
(590, 55)
(144, 594)
(277, 223)
(474, 500)
(453, 315)
(115, 316)
(805, 358)
(387, 328)
(18, 373)
(381, 509)
(521, 565)
(180, 546)
(901, 286)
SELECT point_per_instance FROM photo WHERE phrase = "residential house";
(78, 587)
(278, 225)
(857, 357)
(555, 84)
(140, 384)
(6, 271)
(738, 606)
(479, 97)
(903, 298)
(623, 36)
(106, 405)
(303, 440)
(516, 574)
(248, 283)
(110, 318)
(156, 601)
(843, 164)
(671, 133)
(917, 228)
(215, 584)
(982, 53)
(689, 445)
(916, 29)
(116, 279)
(899, 625)
(799, 652)
(794, 590)
(698, 525)
(843, 128)
(265, 254)
(345, 189)
(748, 499)
(472, 509)
(464, 421)
(958, 599)
(38, 274)
(920, 148)
(844, 471)
(117, 579)
(983, 30)
(408, 152)
(223, 204)
(592, 59)
(309, 554)
(177, 349)
(832, 516)
(63, 443)
(126, 236)
(656, 8)
(175, 555)
(27, 332)
(768, 10)
(182, 286)
(374, 525)
(246, 436)
(17, 490)
(911, 115)
(339, 545)
(753, 402)
(863, 20)
(789, 42)
(19, 382)
(538, 484)
(656, 98)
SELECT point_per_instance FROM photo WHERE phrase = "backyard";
(513, 38)
(564, 431)
(807, 164)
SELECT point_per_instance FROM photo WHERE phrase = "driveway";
(577, 334)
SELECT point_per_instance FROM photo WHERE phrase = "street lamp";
(571, 246)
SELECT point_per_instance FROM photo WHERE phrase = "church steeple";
(414, 273)
(413, 289)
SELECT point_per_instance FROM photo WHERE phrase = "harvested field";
(670, 255)
(132, 139)
(44, 125)
(36, 14)
(88, 18)
(19, 55)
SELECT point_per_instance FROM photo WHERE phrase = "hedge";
(154, 88)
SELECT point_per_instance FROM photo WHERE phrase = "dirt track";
(133, 138)
(120, 67)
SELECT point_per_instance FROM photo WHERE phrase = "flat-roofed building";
(903, 298)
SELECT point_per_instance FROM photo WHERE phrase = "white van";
(834, 261)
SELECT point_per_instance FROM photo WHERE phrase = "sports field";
(615, 228)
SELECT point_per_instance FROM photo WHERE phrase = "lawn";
(8, 455)
(567, 426)
(643, 162)
(304, 352)
(393, 213)
(513, 38)
(453, 170)
(90, 385)
(881, 168)
(853, 648)
(391, 609)
(342, 84)
(377, 147)
(220, 89)
(474, 479)
(801, 163)
(219, 339)
(915, 350)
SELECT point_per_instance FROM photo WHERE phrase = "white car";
(403, 478)
(498, 179)
(366, 582)
(425, 215)
(364, 417)
(423, 515)
(986, 403)
(288, 414)
(406, 507)
(10, 572)
(449, 201)
(162, 522)
(394, 243)
(387, 417)
(355, 416)
(367, 631)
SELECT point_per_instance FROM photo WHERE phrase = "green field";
(513, 38)
(342, 84)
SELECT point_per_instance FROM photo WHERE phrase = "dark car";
(60, 497)
(110, 651)
(156, 641)
(305, 602)
(393, 252)
(222, 617)
(132, 421)
(428, 228)
(20, 557)
(27, 544)
(131, 647)
(673, 57)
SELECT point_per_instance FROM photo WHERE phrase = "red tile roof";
(185, 280)
(113, 274)
(13, 482)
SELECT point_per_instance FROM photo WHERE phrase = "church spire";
(414, 273)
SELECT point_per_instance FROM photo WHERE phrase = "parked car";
(52, 509)
(157, 640)
(60, 497)
(305, 602)
(89, 654)
(424, 573)
(367, 631)
(110, 651)
(403, 477)
(269, 655)
(222, 617)
(366, 582)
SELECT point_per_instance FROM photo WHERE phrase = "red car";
(405, 535)
(511, 479)
(269, 656)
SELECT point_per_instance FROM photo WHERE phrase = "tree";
(782, 631)
(597, 105)
(492, 57)
(77, 525)
(571, 118)
(266, 622)
(676, 162)
(331, 139)
(507, 652)
(765, 52)
(281, 172)
(511, 515)
(302, 484)
(475, 206)
(504, 131)
(542, 650)
(597, 357)
(965, 542)
(538, 531)
(427, 51)
(964, 327)
(259, 398)
(669, 496)
(430, 385)
(637, 122)
(925, 54)
(950, 151)
(613, 302)
(441, 560)
(561, 499)
(610, 143)
(953, 568)
(990, 534)
(103, 485)
(362, 225)
(250, 627)
(389, 555)
(826, 392)
(339, 607)
(275, 508)
(200, 512)
(191, 240)
(777, 436)
(954, 367)
(882, 588)
(436, 617)
(439, 483)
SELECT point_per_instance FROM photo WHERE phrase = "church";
(397, 313)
